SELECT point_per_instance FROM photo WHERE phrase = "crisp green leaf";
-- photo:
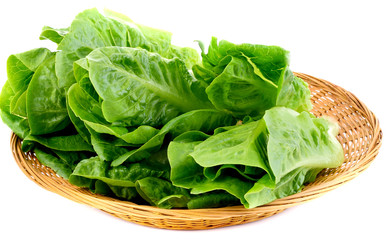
(52, 34)
(300, 140)
(144, 88)
(268, 61)
(108, 147)
(242, 145)
(213, 199)
(17, 124)
(78, 124)
(127, 193)
(57, 142)
(46, 106)
(202, 120)
(161, 193)
(91, 30)
(265, 190)
(21, 68)
(244, 171)
(72, 158)
(294, 93)
(247, 79)
(124, 175)
(240, 91)
(187, 173)
(47, 158)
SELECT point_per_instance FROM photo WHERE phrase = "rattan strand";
(360, 136)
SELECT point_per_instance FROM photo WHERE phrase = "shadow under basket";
(360, 136)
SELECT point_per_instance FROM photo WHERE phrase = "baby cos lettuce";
(286, 148)
(120, 110)
(248, 79)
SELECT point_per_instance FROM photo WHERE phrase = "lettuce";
(121, 111)
(248, 79)
(290, 147)
(91, 30)
(144, 89)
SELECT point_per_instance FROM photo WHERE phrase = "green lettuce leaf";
(33, 94)
(46, 106)
(205, 120)
(21, 68)
(265, 190)
(187, 173)
(108, 147)
(157, 40)
(243, 145)
(47, 158)
(144, 88)
(52, 34)
(213, 199)
(162, 193)
(288, 148)
(300, 140)
(57, 142)
(268, 62)
(87, 109)
(78, 124)
(248, 79)
(18, 125)
(121, 181)
(124, 175)
(126, 193)
(248, 172)
(95, 168)
(91, 30)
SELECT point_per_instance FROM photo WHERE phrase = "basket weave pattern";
(360, 136)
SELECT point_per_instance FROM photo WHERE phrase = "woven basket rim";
(196, 218)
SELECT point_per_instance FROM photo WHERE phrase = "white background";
(344, 42)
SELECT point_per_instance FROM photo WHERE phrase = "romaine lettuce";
(247, 79)
(291, 147)
(121, 111)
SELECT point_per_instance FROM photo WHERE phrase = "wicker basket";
(360, 136)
